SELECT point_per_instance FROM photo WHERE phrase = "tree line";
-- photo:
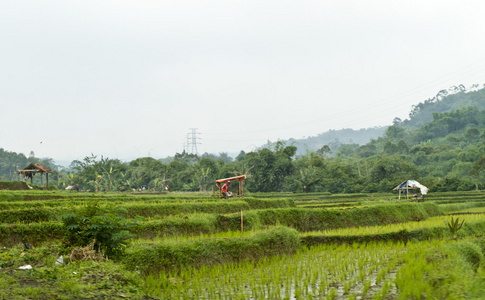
(446, 153)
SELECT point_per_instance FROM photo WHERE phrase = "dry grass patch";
(86, 253)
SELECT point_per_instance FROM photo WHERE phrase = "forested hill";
(444, 101)
(448, 100)
(335, 138)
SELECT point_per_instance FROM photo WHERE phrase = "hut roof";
(240, 178)
(231, 178)
(412, 184)
(37, 168)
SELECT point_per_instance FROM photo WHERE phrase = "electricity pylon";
(192, 141)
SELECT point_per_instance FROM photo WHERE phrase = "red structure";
(239, 178)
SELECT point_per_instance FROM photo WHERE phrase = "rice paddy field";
(266, 246)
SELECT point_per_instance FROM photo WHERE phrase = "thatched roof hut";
(33, 169)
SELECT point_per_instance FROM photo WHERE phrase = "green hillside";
(444, 101)
(335, 138)
(448, 100)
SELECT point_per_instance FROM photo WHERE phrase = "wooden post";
(219, 188)
(47, 179)
(242, 222)
(239, 188)
(40, 178)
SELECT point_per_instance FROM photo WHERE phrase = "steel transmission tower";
(192, 141)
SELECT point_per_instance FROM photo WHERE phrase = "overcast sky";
(128, 79)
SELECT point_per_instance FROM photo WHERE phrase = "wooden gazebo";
(33, 169)
(239, 178)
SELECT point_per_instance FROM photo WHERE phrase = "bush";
(107, 228)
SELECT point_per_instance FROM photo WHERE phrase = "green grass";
(471, 210)
(382, 229)
(76, 280)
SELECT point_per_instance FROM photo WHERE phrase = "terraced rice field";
(269, 246)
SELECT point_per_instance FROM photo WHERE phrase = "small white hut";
(412, 185)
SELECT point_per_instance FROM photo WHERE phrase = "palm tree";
(308, 176)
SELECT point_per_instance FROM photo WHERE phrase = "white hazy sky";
(126, 79)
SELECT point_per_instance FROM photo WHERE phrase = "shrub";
(106, 227)
(454, 225)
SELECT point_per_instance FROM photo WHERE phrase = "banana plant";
(203, 178)
(308, 176)
(97, 180)
(454, 225)
(108, 175)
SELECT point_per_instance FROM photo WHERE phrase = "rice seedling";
(325, 271)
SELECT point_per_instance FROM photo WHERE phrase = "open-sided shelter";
(412, 185)
(239, 178)
(33, 169)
